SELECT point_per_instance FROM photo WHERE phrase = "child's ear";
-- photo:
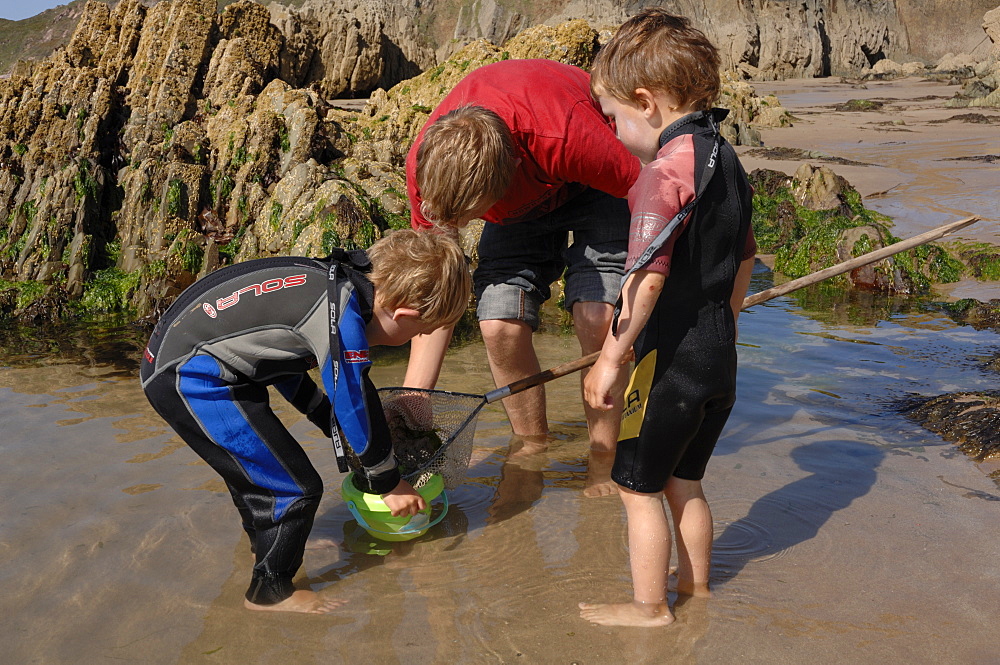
(645, 100)
(404, 312)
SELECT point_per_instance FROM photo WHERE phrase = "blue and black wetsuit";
(206, 371)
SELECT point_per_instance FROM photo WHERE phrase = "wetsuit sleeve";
(303, 393)
(664, 187)
(357, 406)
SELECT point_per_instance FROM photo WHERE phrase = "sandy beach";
(914, 159)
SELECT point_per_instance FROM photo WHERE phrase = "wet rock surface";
(971, 420)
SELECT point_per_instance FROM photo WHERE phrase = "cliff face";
(771, 38)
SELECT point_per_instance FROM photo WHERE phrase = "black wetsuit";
(684, 383)
(206, 371)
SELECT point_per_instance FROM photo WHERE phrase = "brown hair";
(465, 160)
(662, 53)
(425, 271)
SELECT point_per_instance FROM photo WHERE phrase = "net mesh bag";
(432, 432)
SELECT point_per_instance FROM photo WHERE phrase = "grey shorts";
(519, 262)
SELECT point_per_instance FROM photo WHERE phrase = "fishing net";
(432, 432)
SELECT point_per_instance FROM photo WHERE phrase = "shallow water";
(844, 533)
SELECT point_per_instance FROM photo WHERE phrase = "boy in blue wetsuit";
(690, 257)
(268, 322)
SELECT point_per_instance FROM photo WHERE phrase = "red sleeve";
(591, 154)
(664, 187)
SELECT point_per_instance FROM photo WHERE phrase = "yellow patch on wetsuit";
(636, 397)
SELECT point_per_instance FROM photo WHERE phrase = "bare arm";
(639, 298)
(426, 358)
(740, 287)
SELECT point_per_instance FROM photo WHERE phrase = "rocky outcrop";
(981, 78)
(157, 145)
(815, 219)
(351, 47)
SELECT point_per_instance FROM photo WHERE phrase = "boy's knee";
(504, 332)
(681, 489)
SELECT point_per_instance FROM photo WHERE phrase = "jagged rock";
(819, 188)
(246, 56)
(573, 42)
(991, 24)
(362, 45)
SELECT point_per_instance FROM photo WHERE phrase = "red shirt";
(563, 140)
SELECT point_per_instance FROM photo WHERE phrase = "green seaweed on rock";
(805, 240)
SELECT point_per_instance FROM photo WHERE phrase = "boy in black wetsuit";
(690, 257)
(267, 322)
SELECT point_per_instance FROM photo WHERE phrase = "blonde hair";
(425, 271)
(662, 53)
(465, 161)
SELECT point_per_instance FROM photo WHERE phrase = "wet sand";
(915, 162)
(844, 533)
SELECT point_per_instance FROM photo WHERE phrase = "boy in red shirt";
(523, 145)
(691, 253)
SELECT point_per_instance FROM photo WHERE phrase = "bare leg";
(303, 600)
(649, 556)
(693, 523)
(512, 357)
(591, 321)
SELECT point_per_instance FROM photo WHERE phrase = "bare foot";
(627, 614)
(599, 481)
(303, 600)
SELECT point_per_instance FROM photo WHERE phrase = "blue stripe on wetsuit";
(349, 393)
(212, 404)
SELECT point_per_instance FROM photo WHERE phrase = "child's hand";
(599, 384)
(404, 500)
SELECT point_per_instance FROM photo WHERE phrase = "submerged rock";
(970, 419)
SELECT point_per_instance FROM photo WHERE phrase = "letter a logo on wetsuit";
(209, 310)
(636, 397)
